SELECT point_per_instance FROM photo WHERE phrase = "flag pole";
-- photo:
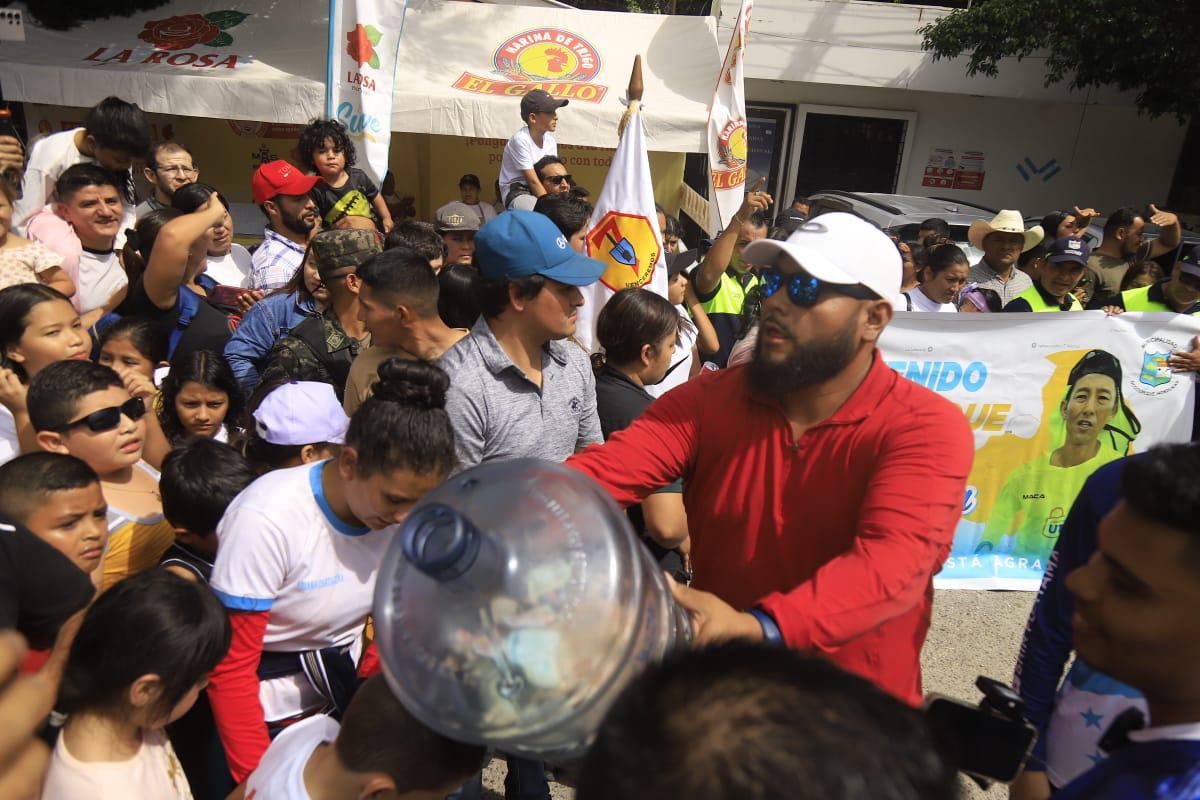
(634, 92)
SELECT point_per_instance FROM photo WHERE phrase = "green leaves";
(374, 62)
(373, 35)
(220, 40)
(1150, 49)
(224, 20)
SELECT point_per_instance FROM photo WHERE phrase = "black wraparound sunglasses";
(108, 418)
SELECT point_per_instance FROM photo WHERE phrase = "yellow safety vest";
(1139, 300)
(730, 296)
(1038, 303)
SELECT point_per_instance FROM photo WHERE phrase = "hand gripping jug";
(515, 604)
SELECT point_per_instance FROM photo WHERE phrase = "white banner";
(1051, 398)
(728, 137)
(623, 231)
(364, 45)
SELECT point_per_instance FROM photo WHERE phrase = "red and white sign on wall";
(949, 168)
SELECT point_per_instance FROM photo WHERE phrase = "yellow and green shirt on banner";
(1033, 504)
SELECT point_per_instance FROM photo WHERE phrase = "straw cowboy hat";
(1006, 221)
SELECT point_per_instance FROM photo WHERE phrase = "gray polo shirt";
(498, 412)
(988, 278)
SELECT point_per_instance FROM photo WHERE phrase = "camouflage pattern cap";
(337, 250)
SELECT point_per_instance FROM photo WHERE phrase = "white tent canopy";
(462, 66)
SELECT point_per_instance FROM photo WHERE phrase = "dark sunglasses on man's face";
(108, 418)
(558, 178)
(803, 289)
(1189, 280)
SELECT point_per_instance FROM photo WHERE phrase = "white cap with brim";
(301, 412)
(837, 248)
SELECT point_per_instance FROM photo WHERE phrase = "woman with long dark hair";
(271, 319)
(300, 549)
(638, 331)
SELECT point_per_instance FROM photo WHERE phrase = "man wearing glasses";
(554, 178)
(822, 488)
(168, 168)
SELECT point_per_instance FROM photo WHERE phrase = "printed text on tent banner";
(365, 43)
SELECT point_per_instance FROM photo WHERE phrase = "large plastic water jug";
(515, 604)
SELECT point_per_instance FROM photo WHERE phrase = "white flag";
(727, 133)
(364, 45)
(623, 231)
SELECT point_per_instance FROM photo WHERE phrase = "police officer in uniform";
(1061, 271)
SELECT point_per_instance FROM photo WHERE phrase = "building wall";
(1108, 154)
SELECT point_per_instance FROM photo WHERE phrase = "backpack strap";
(336, 365)
(189, 305)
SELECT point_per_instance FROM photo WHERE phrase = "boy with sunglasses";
(822, 488)
(84, 410)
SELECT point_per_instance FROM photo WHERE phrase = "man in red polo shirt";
(822, 489)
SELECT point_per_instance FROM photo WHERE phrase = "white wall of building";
(863, 56)
(1109, 156)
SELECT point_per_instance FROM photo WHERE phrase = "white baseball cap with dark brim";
(837, 248)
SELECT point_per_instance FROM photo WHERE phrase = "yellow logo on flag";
(627, 244)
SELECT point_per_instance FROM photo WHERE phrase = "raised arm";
(167, 269)
(1170, 234)
(708, 274)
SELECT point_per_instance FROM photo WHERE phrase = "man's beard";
(296, 223)
(809, 363)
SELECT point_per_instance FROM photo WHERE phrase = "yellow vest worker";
(1060, 272)
(1180, 293)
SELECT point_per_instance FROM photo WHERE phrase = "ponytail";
(135, 256)
(942, 255)
(404, 424)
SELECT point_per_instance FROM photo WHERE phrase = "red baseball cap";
(279, 177)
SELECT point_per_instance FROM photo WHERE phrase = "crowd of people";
(205, 452)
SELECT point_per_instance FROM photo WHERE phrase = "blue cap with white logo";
(1069, 248)
(517, 244)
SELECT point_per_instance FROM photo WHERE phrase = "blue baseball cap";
(517, 244)
(1069, 248)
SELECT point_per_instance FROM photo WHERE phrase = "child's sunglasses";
(803, 289)
(108, 418)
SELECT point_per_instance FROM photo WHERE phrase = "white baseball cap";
(301, 412)
(837, 248)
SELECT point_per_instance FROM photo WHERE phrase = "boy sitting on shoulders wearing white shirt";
(539, 112)
(379, 750)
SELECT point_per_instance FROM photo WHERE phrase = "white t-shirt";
(231, 269)
(100, 277)
(520, 154)
(49, 157)
(921, 302)
(154, 774)
(280, 773)
(283, 550)
(681, 367)
(10, 443)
